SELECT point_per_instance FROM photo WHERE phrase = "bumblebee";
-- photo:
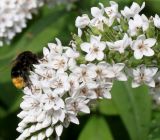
(22, 65)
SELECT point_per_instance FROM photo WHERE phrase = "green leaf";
(134, 107)
(155, 126)
(15, 105)
(2, 113)
(9, 95)
(107, 107)
(153, 6)
(96, 129)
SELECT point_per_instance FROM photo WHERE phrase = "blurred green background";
(128, 116)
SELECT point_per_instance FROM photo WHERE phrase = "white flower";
(45, 72)
(143, 75)
(101, 71)
(116, 71)
(86, 92)
(133, 10)
(74, 83)
(70, 117)
(32, 103)
(77, 104)
(53, 48)
(112, 12)
(82, 21)
(51, 100)
(59, 62)
(94, 49)
(14, 15)
(142, 47)
(84, 74)
(120, 45)
(103, 91)
(59, 57)
(138, 23)
(99, 18)
(60, 83)
(57, 115)
(72, 54)
(156, 20)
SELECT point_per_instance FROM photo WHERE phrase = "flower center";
(61, 63)
(75, 105)
(59, 84)
(99, 71)
(98, 91)
(51, 98)
(95, 50)
(141, 46)
(110, 12)
(84, 91)
(84, 73)
(142, 76)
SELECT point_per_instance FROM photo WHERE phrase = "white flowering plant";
(15, 14)
(110, 46)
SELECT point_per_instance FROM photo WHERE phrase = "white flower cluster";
(14, 16)
(126, 36)
(60, 89)
(111, 46)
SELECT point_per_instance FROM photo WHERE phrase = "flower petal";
(107, 95)
(138, 54)
(85, 109)
(135, 84)
(96, 12)
(49, 132)
(100, 56)
(122, 77)
(74, 119)
(151, 83)
(90, 57)
(150, 42)
(85, 47)
(59, 130)
(80, 32)
(148, 52)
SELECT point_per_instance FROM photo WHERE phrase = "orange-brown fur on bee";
(18, 82)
